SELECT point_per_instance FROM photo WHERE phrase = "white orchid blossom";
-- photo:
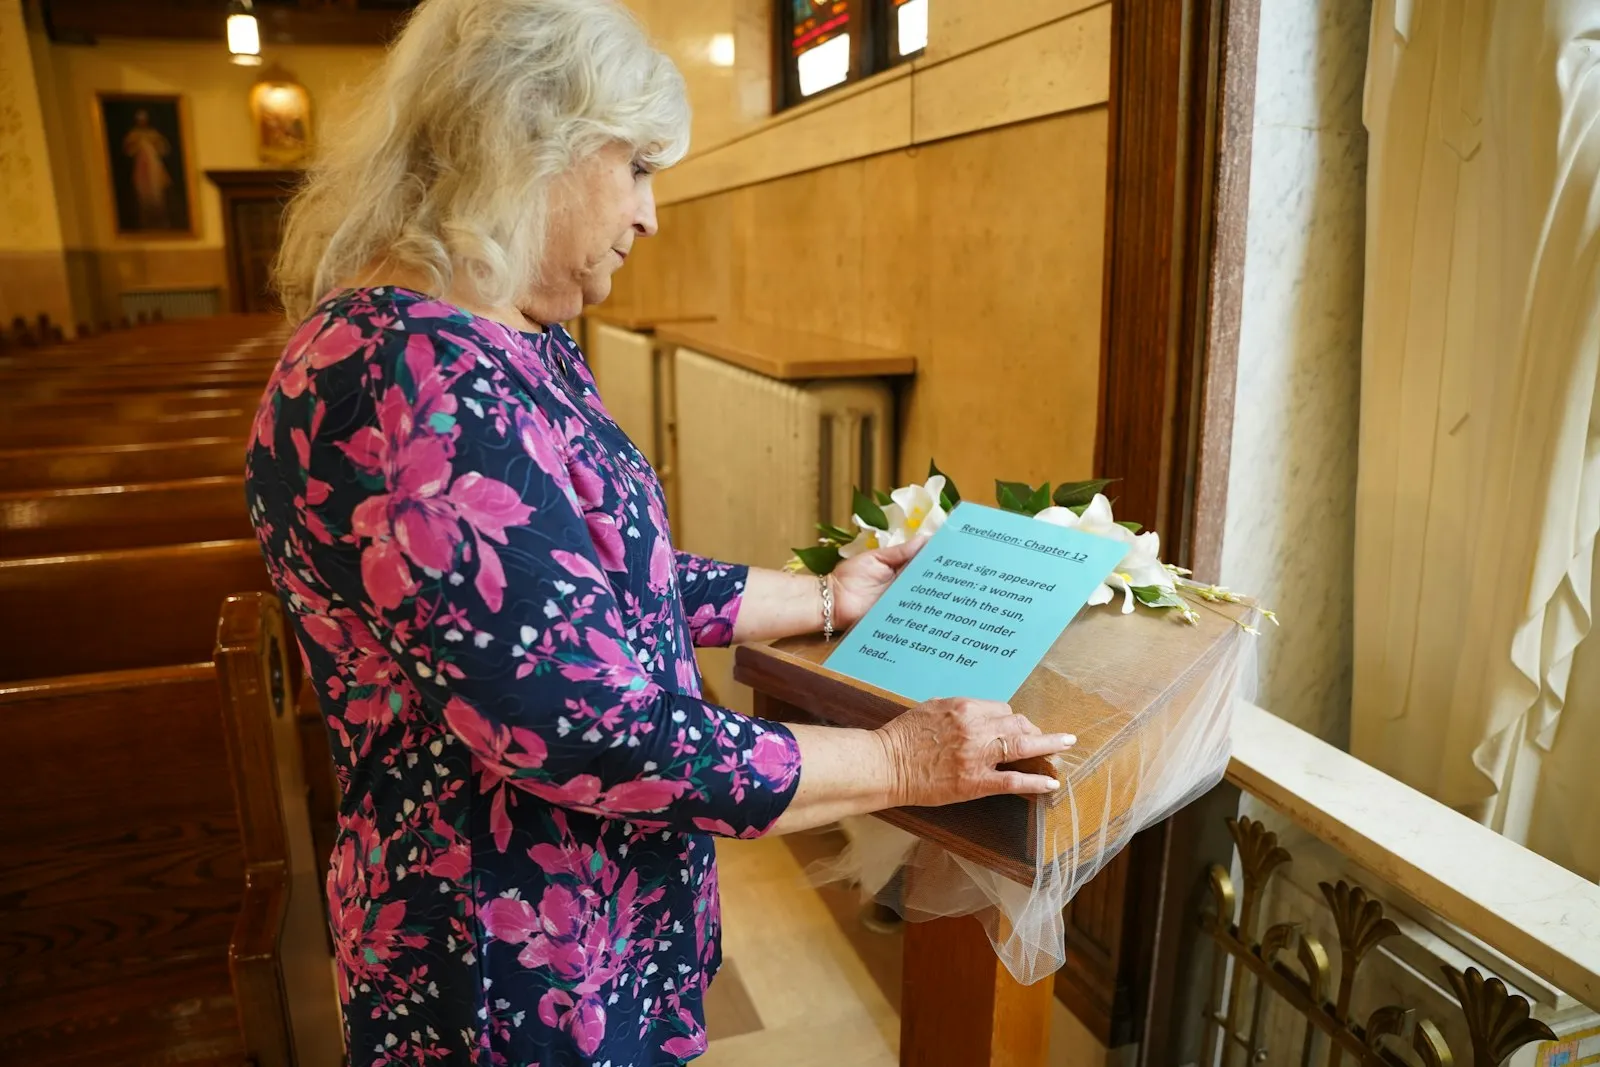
(870, 538)
(1141, 565)
(921, 512)
(914, 511)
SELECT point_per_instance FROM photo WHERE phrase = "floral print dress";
(477, 565)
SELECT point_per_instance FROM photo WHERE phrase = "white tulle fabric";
(1138, 761)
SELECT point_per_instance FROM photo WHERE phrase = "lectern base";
(959, 1004)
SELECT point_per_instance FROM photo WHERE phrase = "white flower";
(1141, 564)
(920, 513)
(868, 539)
(914, 511)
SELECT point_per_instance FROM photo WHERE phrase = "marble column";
(1290, 525)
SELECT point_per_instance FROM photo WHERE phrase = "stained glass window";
(825, 43)
(908, 27)
(819, 42)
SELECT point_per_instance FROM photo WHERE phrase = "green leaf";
(1155, 596)
(1039, 500)
(868, 511)
(951, 495)
(1128, 524)
(883, 499)
(1075, 494)
(835, 533)
(1012, 496)
(819, 559)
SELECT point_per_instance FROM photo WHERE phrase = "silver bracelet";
(825, 587)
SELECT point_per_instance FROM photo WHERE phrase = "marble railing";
(1362, 922)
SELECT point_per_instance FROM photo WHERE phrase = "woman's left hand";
(859, 581)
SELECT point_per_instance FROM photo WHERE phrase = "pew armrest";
(256, 965)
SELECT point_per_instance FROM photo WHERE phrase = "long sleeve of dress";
(712, 592)
(492, 543)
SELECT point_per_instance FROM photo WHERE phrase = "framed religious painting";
(280, 110)
(149, 165)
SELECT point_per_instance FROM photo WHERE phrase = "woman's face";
(598, 210)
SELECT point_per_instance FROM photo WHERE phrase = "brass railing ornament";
(1361, 925)
(1412, 1031)
(1497, 1021)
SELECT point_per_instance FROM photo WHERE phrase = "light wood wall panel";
(1058, 67)
(980, 255)
(1008, 360)
(959, 26)
(728, 99)
(873, 119)
(1044, 68)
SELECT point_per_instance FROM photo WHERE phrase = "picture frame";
(145, 140)
(280, 114)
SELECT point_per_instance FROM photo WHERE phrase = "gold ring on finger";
(1005, 749)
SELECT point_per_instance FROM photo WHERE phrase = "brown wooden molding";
(1182, 103)
(1178, 177)
(85, 21)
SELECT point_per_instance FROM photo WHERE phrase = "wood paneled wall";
(981, 255)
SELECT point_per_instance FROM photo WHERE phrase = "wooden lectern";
(959, 1003)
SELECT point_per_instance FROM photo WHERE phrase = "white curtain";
(1478, 497)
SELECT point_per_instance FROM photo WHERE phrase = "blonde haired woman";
(479, 570)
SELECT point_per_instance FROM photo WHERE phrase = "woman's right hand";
(949, 750)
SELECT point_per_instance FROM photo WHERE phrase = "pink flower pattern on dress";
(479, 571)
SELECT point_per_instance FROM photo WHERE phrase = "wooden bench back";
(100, 611)
(123, 873)
(25, 432)
(279, 954)
(103, 386)
(228, 334)
(61, 466)
(101, 518)
(139, 407)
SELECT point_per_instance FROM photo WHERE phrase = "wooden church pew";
(137, 515)
(278, 956)
(19, 431)
(123, 875)
(61, 466)
(159, 903)
(91, 387)
(138, 406)
(120, 610)
(172, 365)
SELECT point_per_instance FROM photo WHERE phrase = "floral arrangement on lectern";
(886, 519)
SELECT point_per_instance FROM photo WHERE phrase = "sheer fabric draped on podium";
(1151, 701)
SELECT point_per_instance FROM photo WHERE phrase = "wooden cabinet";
(252, 220)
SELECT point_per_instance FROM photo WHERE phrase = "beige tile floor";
(816, 1002)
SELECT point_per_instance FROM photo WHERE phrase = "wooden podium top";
(1124, 685)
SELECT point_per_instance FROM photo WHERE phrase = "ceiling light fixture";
(244, 33)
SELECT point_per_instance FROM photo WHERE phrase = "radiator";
(172, 303)
(625, 368)
(760, 462)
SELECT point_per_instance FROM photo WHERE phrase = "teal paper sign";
(978, 608)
